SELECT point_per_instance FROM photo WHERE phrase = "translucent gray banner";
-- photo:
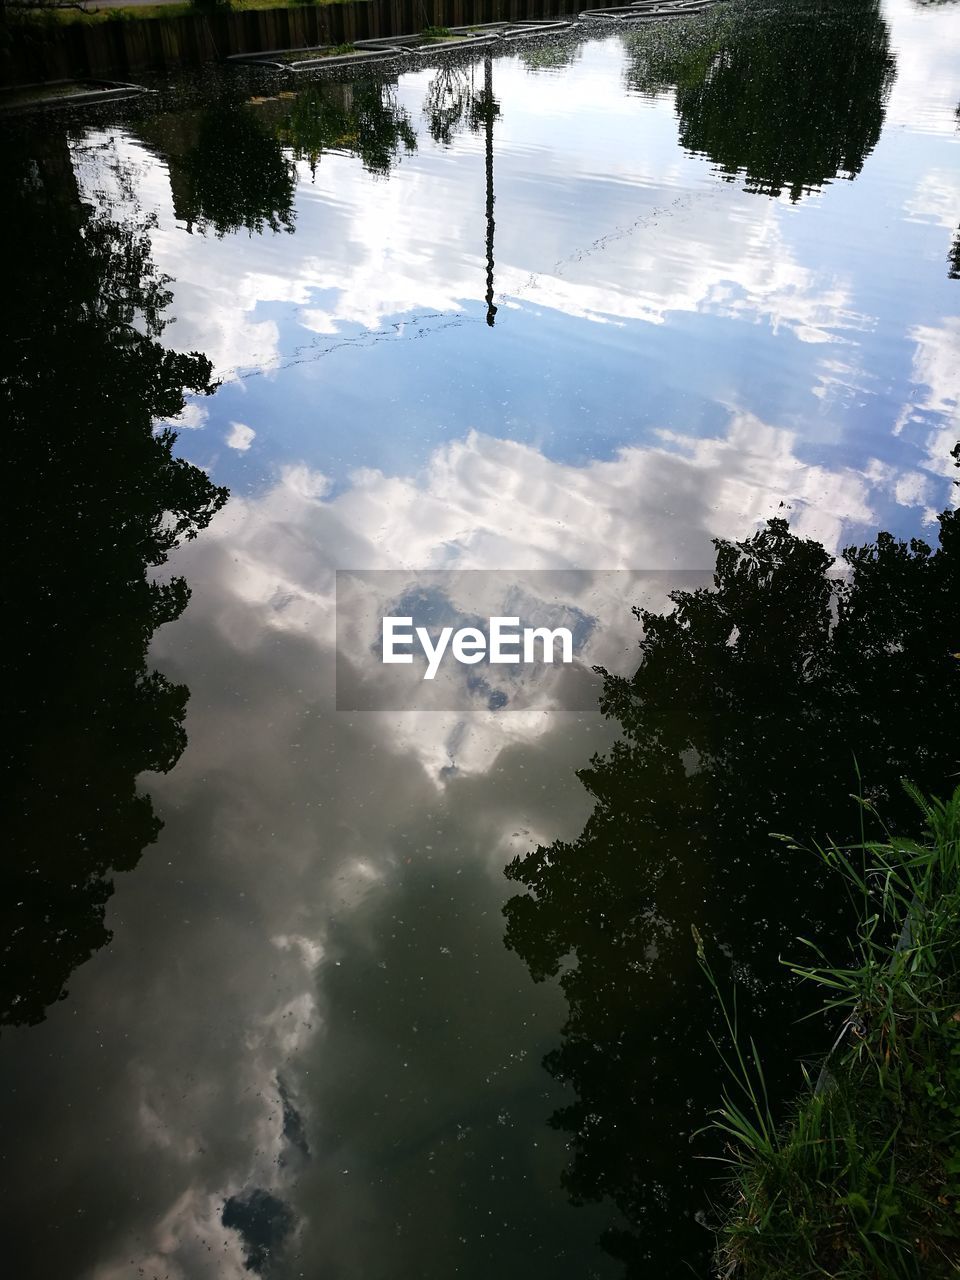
(491, 641)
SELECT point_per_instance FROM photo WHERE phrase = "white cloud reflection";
(326, 840)
(241, 437)
(654, 234)
(484, 503)
(932, 416)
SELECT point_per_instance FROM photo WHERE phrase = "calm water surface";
(588, 305)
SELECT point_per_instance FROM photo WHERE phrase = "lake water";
(582, 307)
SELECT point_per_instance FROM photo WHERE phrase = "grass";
(433, 35)
(63, 17)
(309, 55)
(864, 1180)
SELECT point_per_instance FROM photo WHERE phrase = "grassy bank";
(864, 1181)
(49, 15)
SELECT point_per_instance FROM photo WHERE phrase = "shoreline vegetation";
(90, 14)
(864, 1178)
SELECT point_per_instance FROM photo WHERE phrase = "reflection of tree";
(484, 111)
(95, 501)
(789, 96)
(746, 716)
(953, 258)
(456, 101)
(362, 118)
(449, 95)
(236, 175)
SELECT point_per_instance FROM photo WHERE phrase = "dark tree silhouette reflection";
(227, 169)
(457, 98)
(786, 97)
(362, 118)
(95, 501)
(752, 703)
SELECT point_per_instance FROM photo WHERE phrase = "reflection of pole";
(488, 104)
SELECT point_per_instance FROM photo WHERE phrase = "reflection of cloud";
(913, 489)
(927, 43)
(240, 437)
(936, 199)
(936, 365)
(643, 247)
(184, 1240)
(700, 255)
(935, 413)
(191, 418)
(274, 907)
(324, 902)
(307, 994)
(841, 381)
(483, 503)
